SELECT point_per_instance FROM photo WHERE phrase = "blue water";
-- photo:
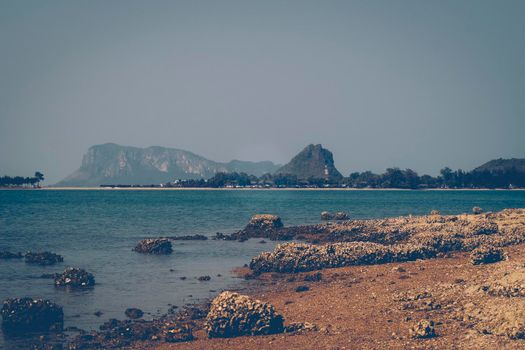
(96, 230)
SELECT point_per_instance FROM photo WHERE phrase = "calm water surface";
(96, 230)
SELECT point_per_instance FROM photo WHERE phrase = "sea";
(97, 229)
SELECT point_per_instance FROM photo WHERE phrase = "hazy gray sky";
(419, 84)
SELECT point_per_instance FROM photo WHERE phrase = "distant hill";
(499, 165)
(115, 164)
(313, 161)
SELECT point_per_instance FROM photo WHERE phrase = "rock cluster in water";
(260, 226)
(22, 315)
(154, 246)
(233, 315)
(73, 277)
(43, 258)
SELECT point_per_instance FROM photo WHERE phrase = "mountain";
(114, 164)
(313, 161)
(499, 165)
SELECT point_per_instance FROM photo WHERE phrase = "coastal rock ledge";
(233, 315)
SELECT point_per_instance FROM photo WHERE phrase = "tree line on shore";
(20, 181)
(391, 178)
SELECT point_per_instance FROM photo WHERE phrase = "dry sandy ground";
(373, 307)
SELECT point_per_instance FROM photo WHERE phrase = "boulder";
(154, 246)
(23, 315)
(423, 329)
(434, 212)
(326, 215)
(477, 210)
(43, 258)
(341, 215)
(233, 315)
(486, 255)
(73, 277)
(134, 313)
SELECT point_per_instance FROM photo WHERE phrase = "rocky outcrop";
(365, 242)
(299, 257)
(74, 278)
(313, 161)
(154, 246)
(264, 222)
(486, 255)
(44, 258)
(233, 315)
(23, 315)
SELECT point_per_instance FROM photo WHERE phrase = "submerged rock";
(154, 246)
(8, 255)
(23, 315)
(233, 315)
(43, 258)
(423, 329)
(189, 238)
(486, 255)
(73, 277)
(204, 278)
(134, 313)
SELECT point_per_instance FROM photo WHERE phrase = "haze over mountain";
(500, 164)
(115, 164)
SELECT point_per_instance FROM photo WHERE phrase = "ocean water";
(96, 230)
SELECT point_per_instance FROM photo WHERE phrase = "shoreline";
(248, 189)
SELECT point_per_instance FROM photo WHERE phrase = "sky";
(412, 84)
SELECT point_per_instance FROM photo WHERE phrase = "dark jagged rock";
(189, 238)
(154, 246)
(25, 315)
(73, 277)
(486, 255)
(233, 315)
(134, 313)
(204, 278)
(43, 258)
(5, 255)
